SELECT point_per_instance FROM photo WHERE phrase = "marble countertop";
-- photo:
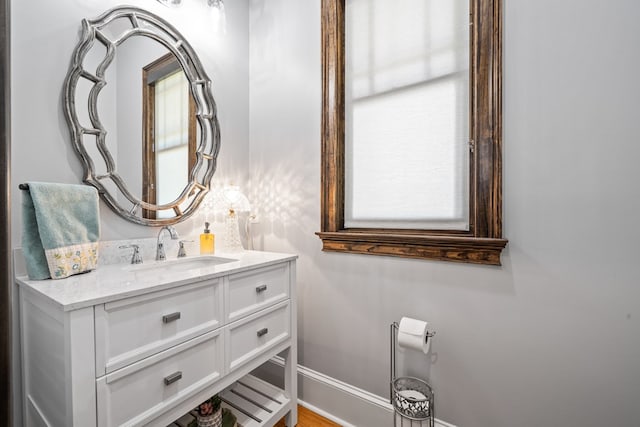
(117, 281)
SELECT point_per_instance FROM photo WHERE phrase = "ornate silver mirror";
(142, 116)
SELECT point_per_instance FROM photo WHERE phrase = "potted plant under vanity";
(210, 412)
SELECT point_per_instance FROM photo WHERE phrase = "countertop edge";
(70, 304)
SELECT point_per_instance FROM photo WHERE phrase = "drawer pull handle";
(262, 332)
(168, 318)
(172, 378)
(261, 288)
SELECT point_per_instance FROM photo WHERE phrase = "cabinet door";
(134, 328)
(139, 393)
(250, 337)
(254, 290)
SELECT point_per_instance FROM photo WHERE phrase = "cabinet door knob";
(173, 378)
(262, 332)
(261, 288)
(168, 318)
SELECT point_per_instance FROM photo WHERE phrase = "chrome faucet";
(160, 255)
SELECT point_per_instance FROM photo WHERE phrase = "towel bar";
(25, 187)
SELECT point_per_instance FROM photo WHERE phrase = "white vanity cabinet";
(121, 346)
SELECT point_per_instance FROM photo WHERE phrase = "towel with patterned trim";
(61, 229)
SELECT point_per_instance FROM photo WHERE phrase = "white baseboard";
(343, 403)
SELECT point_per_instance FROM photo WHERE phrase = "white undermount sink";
(182, 264)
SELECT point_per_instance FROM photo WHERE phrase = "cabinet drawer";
(132, 329)
(254, 290)
(257, 333)
(142, 392)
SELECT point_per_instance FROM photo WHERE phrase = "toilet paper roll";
(412, 333)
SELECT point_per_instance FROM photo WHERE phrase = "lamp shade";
(233, 199)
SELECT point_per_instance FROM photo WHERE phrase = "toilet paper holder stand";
(408, 408)
(394, 344)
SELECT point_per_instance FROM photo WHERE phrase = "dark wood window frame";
(151, 73)
(483, 242)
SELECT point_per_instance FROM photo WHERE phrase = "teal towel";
(61, 229)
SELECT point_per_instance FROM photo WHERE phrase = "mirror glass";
(169, 142)
(142, 116)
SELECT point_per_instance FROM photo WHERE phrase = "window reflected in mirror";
(169, 142)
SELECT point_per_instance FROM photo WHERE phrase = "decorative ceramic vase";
(214, 420)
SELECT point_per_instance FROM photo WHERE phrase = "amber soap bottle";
(207, 241)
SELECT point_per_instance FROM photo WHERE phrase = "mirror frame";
(143, 23)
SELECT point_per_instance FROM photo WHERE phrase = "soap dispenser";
(207, 241)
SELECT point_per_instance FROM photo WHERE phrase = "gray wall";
(551, 337)
(132, 57)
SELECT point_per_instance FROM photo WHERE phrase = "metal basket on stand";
(412, 398)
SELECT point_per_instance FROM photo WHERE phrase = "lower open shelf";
(255, 403)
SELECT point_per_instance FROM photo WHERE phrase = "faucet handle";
(135, 258)
(160, 256)
(181, 252)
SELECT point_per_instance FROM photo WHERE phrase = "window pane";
(407, 101)
(172, 111)
(170, 183)
(172, 138)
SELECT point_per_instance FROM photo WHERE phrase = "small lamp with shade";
(228, 202)
(233, 202)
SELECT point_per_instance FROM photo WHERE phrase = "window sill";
(467, 249)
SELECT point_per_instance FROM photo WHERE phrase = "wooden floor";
(306, 418)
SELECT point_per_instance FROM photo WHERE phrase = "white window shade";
(172, 111)
(174, 177)
(407, 102)
(171, 138)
